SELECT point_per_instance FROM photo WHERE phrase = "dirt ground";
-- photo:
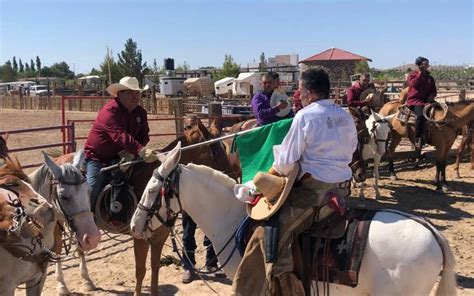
(111, 265)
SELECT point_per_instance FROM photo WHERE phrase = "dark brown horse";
(467, 140)
(440, 135)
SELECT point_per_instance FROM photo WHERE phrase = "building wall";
(337, 70)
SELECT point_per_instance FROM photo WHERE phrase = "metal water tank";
(169, 64)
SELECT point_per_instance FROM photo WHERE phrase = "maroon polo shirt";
(353, 94)
(421, 87)
(116, 129)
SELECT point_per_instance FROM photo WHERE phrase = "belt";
(345, 184)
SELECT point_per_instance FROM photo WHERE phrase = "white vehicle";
(38, 90)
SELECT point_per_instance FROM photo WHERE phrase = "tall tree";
(61, 70)
(22, 68)
(27, 68)
(8, 74)
(155, 72)
(130, 61)
(15, 65)
(32, 65)
(229, 68)
(263, 64)
(115, 72)
(38, 65)
(361, 67)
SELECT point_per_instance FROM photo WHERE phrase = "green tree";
(8, 73)
(27, 68)
(115, 72)
(22, 68)
(32, 65)
(15, 65)
(38, 65)
(130, 61)
(94, 71)
(155, 72)
(229, 68)
(262, 65)
(61, 70)
(361, 67)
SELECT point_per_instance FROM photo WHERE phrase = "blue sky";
(202, 32)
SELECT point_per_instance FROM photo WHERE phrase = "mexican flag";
(256, 148)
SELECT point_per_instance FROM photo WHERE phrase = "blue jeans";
(189, 242)
(96, 180)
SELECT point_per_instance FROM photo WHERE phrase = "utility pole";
(108, 65)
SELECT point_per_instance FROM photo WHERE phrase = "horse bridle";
(57, 201)
(373, 130)
(168, 189)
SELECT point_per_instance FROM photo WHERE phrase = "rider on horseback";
(421, 91)
(354, 92)
(321, 141)
(119, 133)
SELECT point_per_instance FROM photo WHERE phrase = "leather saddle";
(406, 116)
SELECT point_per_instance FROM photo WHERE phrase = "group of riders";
(317, 149)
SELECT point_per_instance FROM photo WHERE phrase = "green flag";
(256, 148)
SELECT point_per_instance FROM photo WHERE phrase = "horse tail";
(447, 284)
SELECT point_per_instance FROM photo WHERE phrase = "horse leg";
(376, 175)
(36, 285)
(61, 287)
(396, 138)
(459, 154)
(361, 192)
(156, 248)
(471, 137)
(89, 284)
(140, 250)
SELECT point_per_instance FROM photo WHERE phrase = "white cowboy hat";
(126, 83)
(280, 97)
(275, 190)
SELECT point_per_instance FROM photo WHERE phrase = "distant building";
(339, 63)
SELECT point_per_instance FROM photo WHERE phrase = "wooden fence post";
(215, 114)
(153, 100)
(178, 114)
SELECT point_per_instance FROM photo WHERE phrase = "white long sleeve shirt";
(322, 138)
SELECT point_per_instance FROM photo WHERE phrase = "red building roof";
(333, 54)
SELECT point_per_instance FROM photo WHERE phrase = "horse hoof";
(89, 287)
(445, 188)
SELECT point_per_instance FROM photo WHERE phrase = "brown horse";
(213, 156)
(467, 140)
(440, 135)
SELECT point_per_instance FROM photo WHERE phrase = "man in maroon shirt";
(120, 132)
(354, 92)
(421, 91)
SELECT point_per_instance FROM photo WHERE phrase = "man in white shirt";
(322, 139)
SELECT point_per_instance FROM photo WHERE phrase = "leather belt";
(345, 184)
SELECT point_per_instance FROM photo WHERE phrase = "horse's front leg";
(61, 286)
(459, 154)
(376, 176)
(36, 285)
(160, 236)
(396, 138)
(89, 284)
(140, 250)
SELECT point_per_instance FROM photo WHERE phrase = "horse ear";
(376, 115)
(54, 168)
(78, 159)
(173, 157)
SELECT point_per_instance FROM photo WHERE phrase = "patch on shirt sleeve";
(341, 121)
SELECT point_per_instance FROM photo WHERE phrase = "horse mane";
(12, 167)
(209, 173)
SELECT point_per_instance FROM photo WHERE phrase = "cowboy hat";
(126, 83)
(275, 191)
(280, 97)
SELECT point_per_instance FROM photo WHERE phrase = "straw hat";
(280, 97)
(126, 83)
(275, 190)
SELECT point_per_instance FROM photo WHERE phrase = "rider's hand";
(282, 105)
(369, 98)
(125, 157)
(148, 155)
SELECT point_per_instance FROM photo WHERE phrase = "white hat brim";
(114, 88)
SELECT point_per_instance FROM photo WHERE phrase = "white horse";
(65, 187)
(402, 257)
(379, 129)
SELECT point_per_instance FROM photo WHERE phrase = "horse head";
(20, 203)
(379, 130)
(72, 199)
(144, 219)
